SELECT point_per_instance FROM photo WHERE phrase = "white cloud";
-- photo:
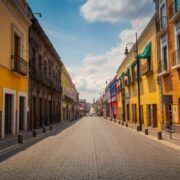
(115, 10)
(96, 69)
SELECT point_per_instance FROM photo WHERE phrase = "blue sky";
(77, 37)
(90, 36)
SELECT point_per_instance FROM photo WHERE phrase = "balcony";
(19, 65)
(146, 68)
(163, 68)
(174, 11)
(42, 78)
(162, 26)
(55, 86)
(176, 59)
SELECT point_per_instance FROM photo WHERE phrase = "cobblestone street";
(93, 148)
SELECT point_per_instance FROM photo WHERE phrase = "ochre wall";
(149, 87)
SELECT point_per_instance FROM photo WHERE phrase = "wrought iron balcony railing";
(174, 10)
(44, 79)
(146, 68)
(19, 65)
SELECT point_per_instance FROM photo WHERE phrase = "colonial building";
(168, 30)
(113, 98)
(70, 97)
(83, 109)
(14, 55)
(107, 102)
(45, 90)
(149, 88)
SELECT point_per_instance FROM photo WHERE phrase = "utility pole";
(138, 81)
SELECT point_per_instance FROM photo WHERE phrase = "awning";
(147, 52)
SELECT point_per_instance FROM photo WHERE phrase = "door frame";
(24, 95)
(13, 93)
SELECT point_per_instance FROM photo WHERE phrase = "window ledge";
(164, 73)
(177, 66)
(175, 18)
(162, 32)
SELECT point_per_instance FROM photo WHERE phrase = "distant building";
(84, 107)
(70, 97)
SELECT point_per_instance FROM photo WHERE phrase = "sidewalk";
(152, 132)
(12, 142)
(175, 137)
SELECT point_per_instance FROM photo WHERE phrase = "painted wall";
(149, 87)
(12, 20)
(171, 82)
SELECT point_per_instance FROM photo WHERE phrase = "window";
(17, 45)
(163, 20)
(164, 65)
(17, 41)
(177, 53)
(164, 58)
(163, 10)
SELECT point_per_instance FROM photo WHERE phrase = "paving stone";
(93, 149)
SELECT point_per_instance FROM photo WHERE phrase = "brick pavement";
(93, 148)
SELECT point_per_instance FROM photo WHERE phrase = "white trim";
(24, 95)
(163, 43)
(16, 31)
(13, 93)
(177, 32)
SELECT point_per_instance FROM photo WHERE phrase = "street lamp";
(138, 78)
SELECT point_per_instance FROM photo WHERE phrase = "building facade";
(168, 31)
(107, 102)
(70, 97)
(14, 57)
(45, 90)
(113, 98)
(82, 107)
(149, 84)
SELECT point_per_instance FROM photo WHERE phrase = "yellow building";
(13, 67)
(70, 96)
(149, 88)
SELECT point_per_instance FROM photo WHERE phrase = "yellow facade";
(69, 95)
(149, 88)
(13, 64)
